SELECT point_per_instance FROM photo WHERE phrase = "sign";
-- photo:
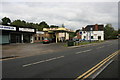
(26, 29)
(7, 28)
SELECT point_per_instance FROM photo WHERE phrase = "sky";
(73, 14)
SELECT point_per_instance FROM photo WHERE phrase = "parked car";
(46, 40)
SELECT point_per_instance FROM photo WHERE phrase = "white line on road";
(101, 47)
(95, 75)
(25, 65)
(83, 51)
(109, 45)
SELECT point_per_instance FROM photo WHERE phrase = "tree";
(54, 26)
(115, 34)
(6, 21)
(109, 32)
(42, 25)
(118, 31)
(31, 25)
(72, 34)
(19, 23)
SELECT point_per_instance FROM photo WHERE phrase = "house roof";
(99, 28)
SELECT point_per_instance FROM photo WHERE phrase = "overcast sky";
(74, 15)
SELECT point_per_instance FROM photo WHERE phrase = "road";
(66, 64)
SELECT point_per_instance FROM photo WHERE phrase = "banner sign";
(26, 29)
(7, 28)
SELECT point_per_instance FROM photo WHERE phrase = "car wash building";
(10, 34)
(57, 34)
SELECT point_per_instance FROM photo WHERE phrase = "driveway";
(29, 49)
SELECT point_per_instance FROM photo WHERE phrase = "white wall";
(95, 35)
(67, 36)
(64, 34)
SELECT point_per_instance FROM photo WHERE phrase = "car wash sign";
(7, 28)
(26, 29)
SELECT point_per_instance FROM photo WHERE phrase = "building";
(57, 34)
(10, 34)
(39, 36)
(91, 32)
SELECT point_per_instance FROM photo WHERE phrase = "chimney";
(83, 28)
(96, 27)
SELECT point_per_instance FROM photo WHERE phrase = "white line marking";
(94, 76)
(60, 57)
(101, 47)
(83, 51)
(109, 45)
(42, 61)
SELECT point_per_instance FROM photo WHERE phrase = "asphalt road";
(64, 64)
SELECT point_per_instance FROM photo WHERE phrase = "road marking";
(101, 47)
(109, 45)
(96, 67)
(83, 51)
(102, 69)
(25, 65)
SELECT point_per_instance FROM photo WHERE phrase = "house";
(92, 32)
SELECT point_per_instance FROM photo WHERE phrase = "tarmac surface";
(28, 49)
(68, 63)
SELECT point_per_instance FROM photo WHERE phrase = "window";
(80, 33)
(84, 37)
(99, 37)
(38, 38)
(91, 37)
(35, 38)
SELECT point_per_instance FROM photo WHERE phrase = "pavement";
(28, 49)
(65, 64)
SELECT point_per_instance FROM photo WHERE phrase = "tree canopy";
(109, 32)
(18, 23)
(5, 21)
(53, 26)
(42, 25)
(23, 23)
(118, 31)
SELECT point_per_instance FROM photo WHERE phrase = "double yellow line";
(96, 67)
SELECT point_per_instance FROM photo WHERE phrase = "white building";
(92, 32)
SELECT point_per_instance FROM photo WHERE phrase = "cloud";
(73, 15)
